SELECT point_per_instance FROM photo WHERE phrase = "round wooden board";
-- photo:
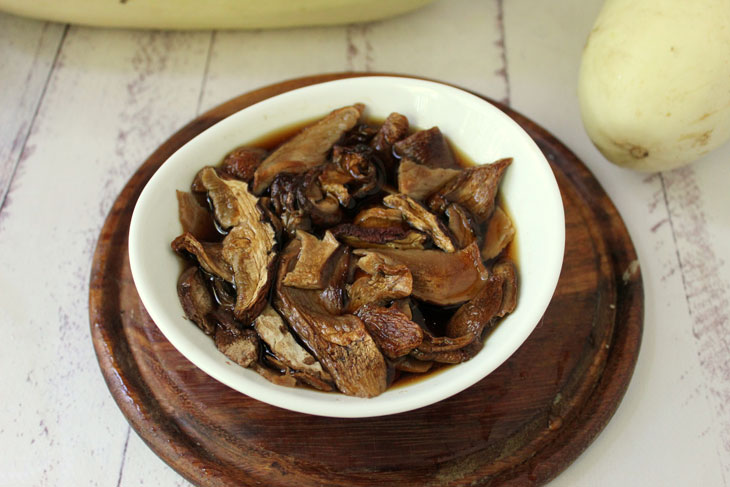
(521, 425)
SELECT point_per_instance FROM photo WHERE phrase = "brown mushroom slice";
(232, 203)
(274, 332)
(265, 207)
(411, 365)
(508, 273)
(308, 272)
(499, 234)
(419, 181)
(308, 148)
(382, 237)
(474, 316)
(404, 306)
(393, 129)
(382, 283)
(363, 165)
(241, 346)
(433, 343)
(460, 226)
(241, 163)
(209, 255)
(421, 219)
(340, 343)
(378, 217)
(438, 277)
(323, 209)
(249, 246)
(393, 331)
(449, 357)
(334, 294)
(334, 181)
(251, 255)
(285, 203)
(475, 189)
(195, 299)
(194, 218)
(427, 147)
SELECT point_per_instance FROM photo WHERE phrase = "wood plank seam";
(704, 291)
(14, 168)
(204, 83)
(124, 456)
(501, 43)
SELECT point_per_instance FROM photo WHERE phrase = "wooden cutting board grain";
(521, 425)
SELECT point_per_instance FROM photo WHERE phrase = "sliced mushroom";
(438, 277)
(404, 306)
(499, 234)
(412, 365)
(241, 346)
(208, 255)
(460, 226)
(242, 162)
(393, 331)
(419, 181)
(427, 147)
(308, 272)
(307, 149)
(194, 218)
(321, 208)
(496, 299)
(334, 294)
(475, 189)
(285, 203)
(251, 255)
(383, 282)
(433, 344)
(340, 343)
(383, 237)
(378, 217)
(449, 357)
(421, 219)
(334, 182)
(196, 300)
(274, 332)
(249, 246)
(363, 165)
(508, 273)
(394, 128)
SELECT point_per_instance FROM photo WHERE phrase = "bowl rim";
(344, 406)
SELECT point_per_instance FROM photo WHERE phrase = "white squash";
(654, 85)
(209, 14)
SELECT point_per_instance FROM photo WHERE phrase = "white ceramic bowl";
(480, 130)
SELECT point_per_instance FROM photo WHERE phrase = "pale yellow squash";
(209, 14)
(654, 83)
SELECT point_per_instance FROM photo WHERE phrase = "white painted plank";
(27, 51)
(114, 96)
(456, 41)
(242, 61)
(666, 417)
(422, 43)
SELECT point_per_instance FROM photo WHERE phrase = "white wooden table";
(81, 108)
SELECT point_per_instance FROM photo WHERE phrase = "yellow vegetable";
(209, 14)
(654, 84)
